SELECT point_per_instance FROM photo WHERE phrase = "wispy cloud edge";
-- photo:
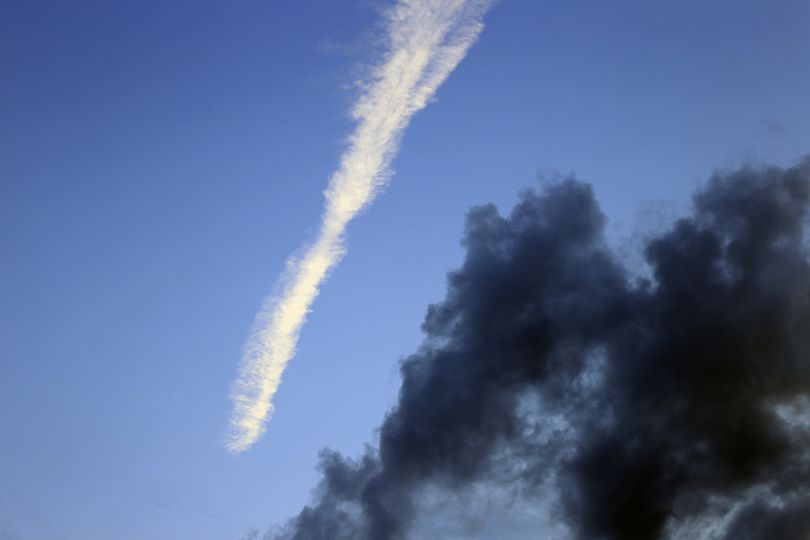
(426, 41)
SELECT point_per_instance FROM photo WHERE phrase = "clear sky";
(159, 160)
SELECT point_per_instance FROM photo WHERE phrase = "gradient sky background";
(159, 160)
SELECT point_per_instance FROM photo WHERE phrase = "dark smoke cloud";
(640, 404)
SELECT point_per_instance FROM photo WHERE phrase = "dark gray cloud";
(638, 404)
(763, 519)
(776, 128)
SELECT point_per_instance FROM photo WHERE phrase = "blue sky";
(160, 160)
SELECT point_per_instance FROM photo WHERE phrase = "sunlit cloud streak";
(426, 39)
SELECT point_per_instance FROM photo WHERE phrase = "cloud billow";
(647, 408)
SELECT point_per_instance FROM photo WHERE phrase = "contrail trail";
(426, 41)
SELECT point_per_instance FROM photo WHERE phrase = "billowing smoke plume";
(674, 406)
(426, 41)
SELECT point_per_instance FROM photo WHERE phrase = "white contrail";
(426, 41)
